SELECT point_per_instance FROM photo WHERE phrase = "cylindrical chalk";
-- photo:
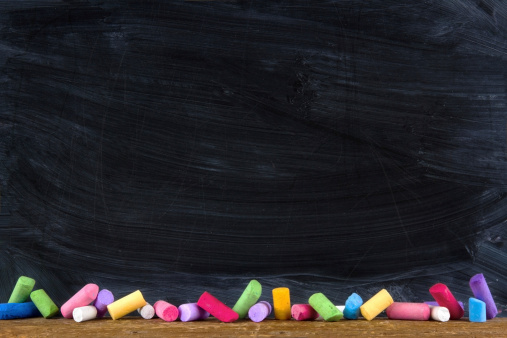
(84, 313)
(18, 310)
(44, 304)
(217, 309)
(22, 290)
(376, 304)
(303, 312)
(259, 311)
(476, 310)
(481, 291)
(325, 308)
(439, 313)
(147, 311)
(352, 305)
(104, 298)
(166, 311)
(281, 303)
(248, 298)
(191, 311)
(82, 298)
(444, 298)
(126, 305)
(408, 311)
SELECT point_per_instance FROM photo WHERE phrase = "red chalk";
(303, 312)
(408, 311)
(216, 308)
(166, 311)
(444, 298)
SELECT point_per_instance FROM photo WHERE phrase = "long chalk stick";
(126, 305)
(82, 298)
(217, 309)
(408, 311)
(481, 291)
(248, 298)
(22, 290)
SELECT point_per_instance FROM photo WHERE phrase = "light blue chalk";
(18, 310)
(352, 306)
(476, 310)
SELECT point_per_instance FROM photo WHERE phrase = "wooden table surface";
(136, 326)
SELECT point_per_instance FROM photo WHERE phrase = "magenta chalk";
(303, 312)
(82, 298)
(216, 308)
(191, 311)
(258, 312)
(444, 298)
(408, 311)
(166, 311)
(481, 291)
(104, 298)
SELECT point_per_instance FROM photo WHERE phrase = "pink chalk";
(408, 311)
(104, 298)
(303, 312)
(166, 311)
(217, 309)
(444, 298)
(191, 311)
(258, 312)
(82, 298)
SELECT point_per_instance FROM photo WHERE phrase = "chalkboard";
(326, 146)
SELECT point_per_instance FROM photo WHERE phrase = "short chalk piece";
(191, 311)
(439, 313)
(325, 308)
(444, 298)
(18, 310)
(433, 303)
(84, 313)
(248, 298)
(304, 312)
(481, 291)
(126, 305)
(476, 310)
(147, 311)
(408, 311)
(104, 298)
(166, 311)
(22, 290)
(281, 303)
(216, 308)
(376, 304)
(44, 304)
(82, 298)
(259, 311)
(352, 305)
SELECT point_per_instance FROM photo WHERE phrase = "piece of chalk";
(84, 313)
(281, 303)
(216, 308)
(439, 313)
(352, 305)
(104, 298)
(166, 311)
(408, 311)
(433, 303)
(341, 308)
(325, 308)
(191, 311)
(476, 310)
(304, 312)
(126, 305)
(248, 298)
(44, 304)
(481, 291)
(22, 290)
(18, 310)
(444, 298)
(147, 311)
(376, 304)
(259, 311)
(82, 298)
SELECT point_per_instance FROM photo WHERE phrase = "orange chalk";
(281, 303)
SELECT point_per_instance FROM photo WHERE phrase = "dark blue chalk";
(18, 310)
(352, 306)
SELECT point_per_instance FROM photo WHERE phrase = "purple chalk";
(191, 311)
(104, 298)
(259, 311)
(433, 303)
(481, 291)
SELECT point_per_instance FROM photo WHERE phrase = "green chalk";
(249, 297)
(325, 308)
(22, 290)
(43, 303)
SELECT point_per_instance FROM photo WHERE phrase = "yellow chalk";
(376, 304)
(281, 303)
(126, 305)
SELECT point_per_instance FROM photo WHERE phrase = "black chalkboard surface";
(326, 146)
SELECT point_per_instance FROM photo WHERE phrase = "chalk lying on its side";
(104, 298)
(248, 298)
(476, 310)
(281, 303)
(259, 311)
(444, 298)
(126, 305)
(304, 312)
(376, 304)
(44, 304)
(216, 308)
(22, 290)
(166, 311)
(439, 313)
(191, 311)
(352, 305)
(325, 308)
(433, 303)
(481, 291)
(84, 313)
(408, 311)
(18, 310)
(82, 298)
(147, 311)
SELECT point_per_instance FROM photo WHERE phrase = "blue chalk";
(476, 310)
(18, 310)
(352, 306)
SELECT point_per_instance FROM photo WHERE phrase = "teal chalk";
(476, 310)
(352, 306)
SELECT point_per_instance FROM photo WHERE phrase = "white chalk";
(84, 313)
(147, 311)
(440, 313)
